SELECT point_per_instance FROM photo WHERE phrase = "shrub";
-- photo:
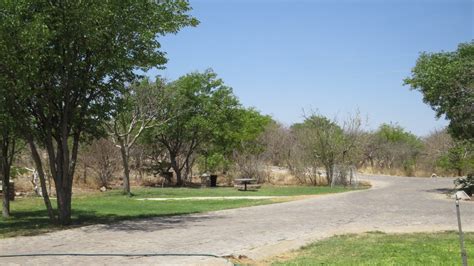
(466, 183)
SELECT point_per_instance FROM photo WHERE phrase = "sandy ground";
(394, 204)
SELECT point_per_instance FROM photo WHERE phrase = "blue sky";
(283, 57)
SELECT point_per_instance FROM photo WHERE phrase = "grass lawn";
(29, 216)
(384, 249)
(230, 191)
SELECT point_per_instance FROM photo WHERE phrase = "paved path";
(218, 198)
(395, 204)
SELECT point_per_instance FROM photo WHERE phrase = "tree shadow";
(155, 223)
(444, 191)
(28, 223)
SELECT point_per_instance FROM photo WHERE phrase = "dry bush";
(436, 144)
(103, 158)
(248, 165)
(281, 176)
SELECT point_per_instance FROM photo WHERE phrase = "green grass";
(384, 249)
(228, 191)
(29, 216)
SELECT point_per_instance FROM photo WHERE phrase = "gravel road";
(394, 204)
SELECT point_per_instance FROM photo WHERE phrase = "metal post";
(461, 235)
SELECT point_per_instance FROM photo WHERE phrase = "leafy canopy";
(446, 80)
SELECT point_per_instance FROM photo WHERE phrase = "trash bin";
(205, 182)
(213, 180)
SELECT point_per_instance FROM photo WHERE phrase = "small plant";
(466, 183)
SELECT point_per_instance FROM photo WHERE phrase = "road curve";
(394, 204)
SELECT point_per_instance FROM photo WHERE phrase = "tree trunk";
(64, 204)
(39, 168)
(329, 174)
(6, 160)
(139, 167)
(176, 169)
(179, 178)
(126, 169)
(84, 176)
(5, 174)
(5, 171)
(63, 178)
(6, 198)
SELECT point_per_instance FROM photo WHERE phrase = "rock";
(103, 189)
(461, 195)
(433, 175)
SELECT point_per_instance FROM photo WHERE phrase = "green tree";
(74, 58)
(446, 80)
(197, 105)
(238, 131)
(323, 141)
(460, 158)
(23, 37)
(397, 148)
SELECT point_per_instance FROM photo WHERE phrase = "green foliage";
(18, 171)
(239, 132)
(197, 104)
(446, 81)
(204, 119)
(396, 134)
(466, 183)
(66, 62)
(459, 158)
(323, 137)
(81, 53)
(213, 162)
(323, 142)
(199, 110)
(384, 249)
(409, 166)
(396, 147)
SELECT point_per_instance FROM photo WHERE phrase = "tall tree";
(22, 41)
(326, 142)
(197, 106)
(323, 139)
(446, 80)
(79, 55)
(141, 108)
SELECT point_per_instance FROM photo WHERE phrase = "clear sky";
(283, 57)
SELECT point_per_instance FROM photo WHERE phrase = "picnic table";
(245, 182)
